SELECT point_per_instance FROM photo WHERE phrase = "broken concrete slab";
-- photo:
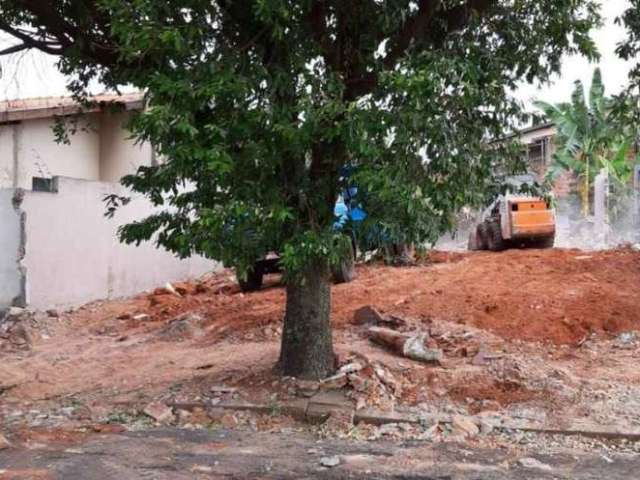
(243, 405)
(4, 443)
(160, 412)
(464, 426)
(296, 409)
(330, 462)
(306, 388)
(332, 397)
(378, 418)
(532, 463)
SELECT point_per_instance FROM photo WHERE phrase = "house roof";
(532, 129)
(45, 107)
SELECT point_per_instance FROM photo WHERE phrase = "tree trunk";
(307, 347)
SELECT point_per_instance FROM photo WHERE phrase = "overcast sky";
(33, 74)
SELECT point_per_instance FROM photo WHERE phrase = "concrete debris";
(485, 427)
(357, 382)
(626, 338)
(361, 402)
(388, 429)
(13, 312)
(482, 357)
(340, 421)
(184, 415)
(330, 462)
(464, 426)
(229, 421)
(53, 313)
(4, 443)
(350, 368)
(160, 412)
(171, 289)
(387, 378)
(532, 463)
(306, 388)
(414, 348)
(142, 317)
(335, 382)
(409, 346)
(201, 469)
(189, 325)
(15, 327)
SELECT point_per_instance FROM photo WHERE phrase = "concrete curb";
(317, 411)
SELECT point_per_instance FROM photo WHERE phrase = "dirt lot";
(554, 328)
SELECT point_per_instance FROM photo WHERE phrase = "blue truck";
(347, 212)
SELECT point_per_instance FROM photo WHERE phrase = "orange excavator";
(515, 221)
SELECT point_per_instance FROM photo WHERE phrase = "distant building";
(539, 146)
(56, 246)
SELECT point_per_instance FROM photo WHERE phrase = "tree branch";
(14, 49)
(318, 22)
(410, 30)
(30, 41)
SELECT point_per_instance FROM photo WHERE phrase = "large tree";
(256, 105)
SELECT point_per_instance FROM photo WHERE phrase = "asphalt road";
(173, 453)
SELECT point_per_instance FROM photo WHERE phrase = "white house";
(56, 246)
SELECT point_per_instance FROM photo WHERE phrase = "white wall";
(39, 155)
(72, 253)
(119, 154)
(10, 243)
(100, 149)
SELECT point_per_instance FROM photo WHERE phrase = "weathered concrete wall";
(40, 156)
(119, 154)
(72, 253)
(30, 146)
(11, 279)
(100, 149)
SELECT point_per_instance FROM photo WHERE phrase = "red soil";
(557, 296)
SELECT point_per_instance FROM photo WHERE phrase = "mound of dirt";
(556, 296)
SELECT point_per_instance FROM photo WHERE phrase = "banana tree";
(589, 138)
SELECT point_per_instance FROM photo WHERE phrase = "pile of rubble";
(370, 384)
(19, 327)
(16, 329)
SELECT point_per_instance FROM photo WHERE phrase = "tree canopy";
(255, 107)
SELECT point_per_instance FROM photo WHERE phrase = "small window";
(514, 207)
(41, 184)
(537, 154)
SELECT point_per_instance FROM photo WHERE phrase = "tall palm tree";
(589, 138)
